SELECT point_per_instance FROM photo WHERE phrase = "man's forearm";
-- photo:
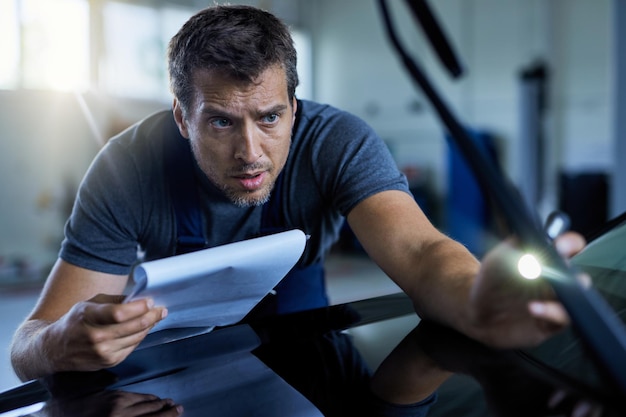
(29, 356)
(446, 271)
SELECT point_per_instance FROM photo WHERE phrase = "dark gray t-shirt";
(123, 205)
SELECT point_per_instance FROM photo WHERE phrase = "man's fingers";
(124, 328)
(139, 325)
(106, 314)
(152, 406)
(580, 409)
(549, 311)
(113, 343)
(584, 279)
(569, 244)
(116, 329)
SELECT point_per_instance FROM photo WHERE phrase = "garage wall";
(356, 69)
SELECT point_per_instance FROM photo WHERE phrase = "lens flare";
(529, 267)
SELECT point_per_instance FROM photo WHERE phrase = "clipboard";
(216, 286)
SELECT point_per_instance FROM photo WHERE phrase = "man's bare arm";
(434, 271)
(78, 324)
(447, 284)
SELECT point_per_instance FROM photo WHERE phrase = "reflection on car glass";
(604, 260)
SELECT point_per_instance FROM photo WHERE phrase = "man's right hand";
(101, 332)
(74, 327)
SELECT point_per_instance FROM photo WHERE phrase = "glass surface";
(604, 261)
(272, 366)
(598, 358)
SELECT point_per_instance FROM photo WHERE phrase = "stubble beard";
(243, 199)
(239, 198)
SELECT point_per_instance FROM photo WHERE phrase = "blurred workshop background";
(543, 90)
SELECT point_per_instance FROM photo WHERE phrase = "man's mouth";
(251, 181)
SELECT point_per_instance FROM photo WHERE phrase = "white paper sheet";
(220, 285)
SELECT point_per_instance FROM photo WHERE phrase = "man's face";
(240, 132)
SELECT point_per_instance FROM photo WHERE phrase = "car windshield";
(492, 208)
(604, 261)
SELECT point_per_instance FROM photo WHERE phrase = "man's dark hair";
(241, 41)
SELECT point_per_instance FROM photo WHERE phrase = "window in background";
(172, 19)
(45, 45)
(55, 44)
(9, 45)
(135, 44)
(302, 42)
(132, 51)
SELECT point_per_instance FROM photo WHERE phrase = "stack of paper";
(220, 285)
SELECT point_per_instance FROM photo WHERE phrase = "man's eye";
(220, 122)
(270, 118)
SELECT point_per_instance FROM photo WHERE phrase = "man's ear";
(294, 106)
(180, 119)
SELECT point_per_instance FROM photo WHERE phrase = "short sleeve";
(102, 231)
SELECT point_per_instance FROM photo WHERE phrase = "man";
(252, 159)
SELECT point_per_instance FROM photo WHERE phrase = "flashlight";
(529, 267)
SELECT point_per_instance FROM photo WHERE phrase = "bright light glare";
(9, 44)
(56, 44)
(529, 267)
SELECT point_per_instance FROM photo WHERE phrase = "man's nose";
(248, 146)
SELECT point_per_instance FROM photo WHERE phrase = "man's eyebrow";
(278, 108)
(210, 109)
